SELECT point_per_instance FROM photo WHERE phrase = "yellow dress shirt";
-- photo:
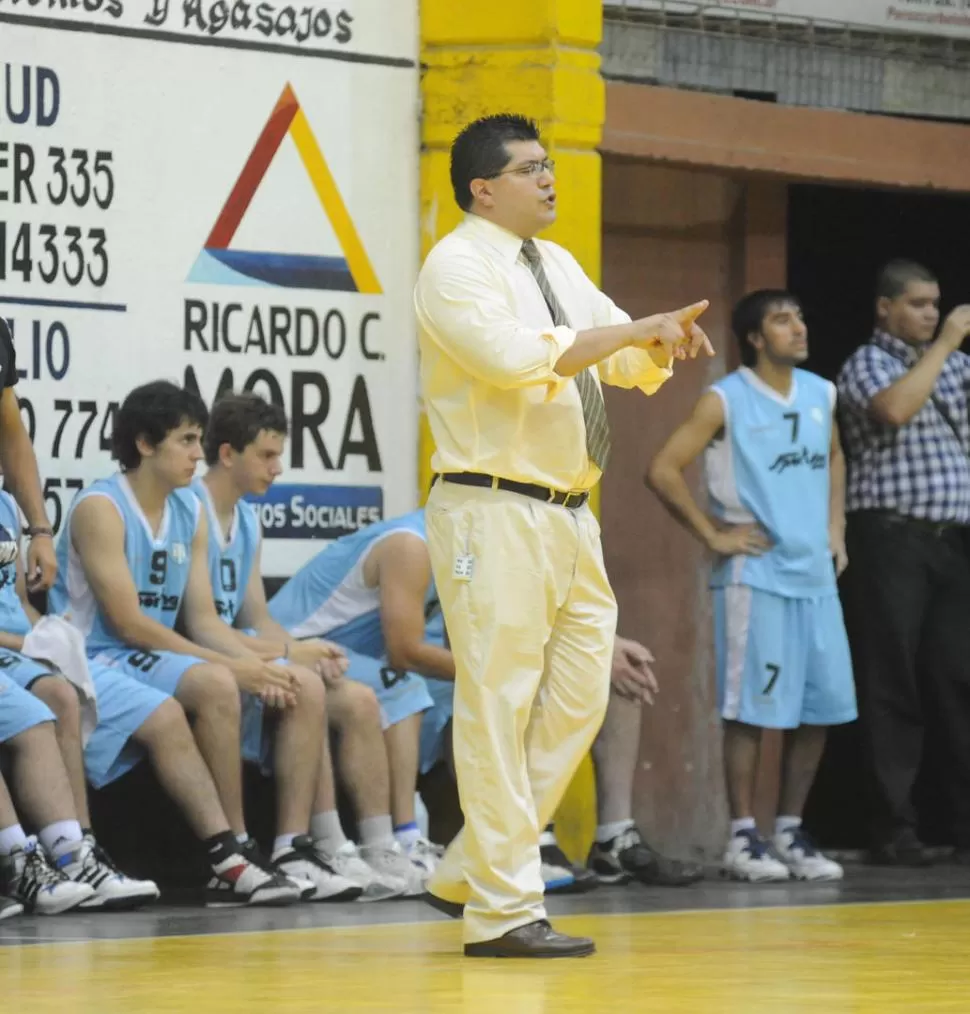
(488, 351)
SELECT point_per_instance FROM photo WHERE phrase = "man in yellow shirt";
(515, 340)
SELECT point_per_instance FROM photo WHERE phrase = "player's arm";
(273, 636)
(837, 500)
(666, 479)
(202, 623)
(98, 535)
(22, 480)
(215, 640)
(402, 570)
(16, 641)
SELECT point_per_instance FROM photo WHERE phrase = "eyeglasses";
(547, 165)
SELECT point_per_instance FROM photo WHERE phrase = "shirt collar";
(896, 347)
(506, 243)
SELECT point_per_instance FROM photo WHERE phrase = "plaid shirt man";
(920, 469)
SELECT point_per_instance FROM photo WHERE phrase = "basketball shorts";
(781, 662)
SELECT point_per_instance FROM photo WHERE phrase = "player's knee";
(61, 697)
(311, 693)
(354, 705)
(215, 692)
(363, 705)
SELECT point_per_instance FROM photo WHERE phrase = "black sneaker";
(628, 857)
(902, 849)
(559, 875)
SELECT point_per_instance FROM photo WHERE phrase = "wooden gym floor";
(881, 942)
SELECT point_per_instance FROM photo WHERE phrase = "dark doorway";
(838, 238)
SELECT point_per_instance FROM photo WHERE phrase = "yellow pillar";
(539, 58)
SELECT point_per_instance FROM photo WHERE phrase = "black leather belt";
(935, 528)
(530, 489)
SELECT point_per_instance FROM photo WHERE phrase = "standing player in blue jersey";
(244, 443)
(776, 481)
(133, 554)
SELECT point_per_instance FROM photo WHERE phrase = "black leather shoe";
(536, 940)
(902, 849)
(449, 908)
(961, 855)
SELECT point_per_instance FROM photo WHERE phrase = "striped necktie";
(590, 396)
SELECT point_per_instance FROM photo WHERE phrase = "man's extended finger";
(688, 314)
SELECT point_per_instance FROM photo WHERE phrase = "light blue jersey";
(328, 596)
(159, 564)
(230, 558)
(771, 465)
(13, 619)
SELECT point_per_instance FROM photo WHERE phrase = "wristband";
(39, 532)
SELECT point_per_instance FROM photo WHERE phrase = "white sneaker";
(749, 857)
(9, 908)
(238, 880)
(806, 862)
(28, 877)
(348, 862)
(90, 864)
(424, 854)
(395, 868)
(301, 862)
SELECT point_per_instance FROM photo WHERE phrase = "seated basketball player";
(244, 442)
(372, 593)
(133, 553)
(133, 720)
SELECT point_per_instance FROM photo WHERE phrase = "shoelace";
(756, 846)
(38, 869)
(424, 847)
(96, 855)
(802, 840)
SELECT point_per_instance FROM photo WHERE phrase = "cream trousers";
(531, 619)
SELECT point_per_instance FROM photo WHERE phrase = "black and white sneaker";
(28, 878)
(113, 890)
(9, 908)
(250, 849)
(237, 880)
(628, 857)
(559, 875)
(302, 863)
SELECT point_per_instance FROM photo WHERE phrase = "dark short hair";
(749, 316)
(151, 412)
(897, 274)
(479, 152)
(238, 419)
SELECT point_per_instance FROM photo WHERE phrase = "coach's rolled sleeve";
(461, 307)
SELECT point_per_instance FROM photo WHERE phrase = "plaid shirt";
(920, 469)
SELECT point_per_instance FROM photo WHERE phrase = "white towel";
(59, 642)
